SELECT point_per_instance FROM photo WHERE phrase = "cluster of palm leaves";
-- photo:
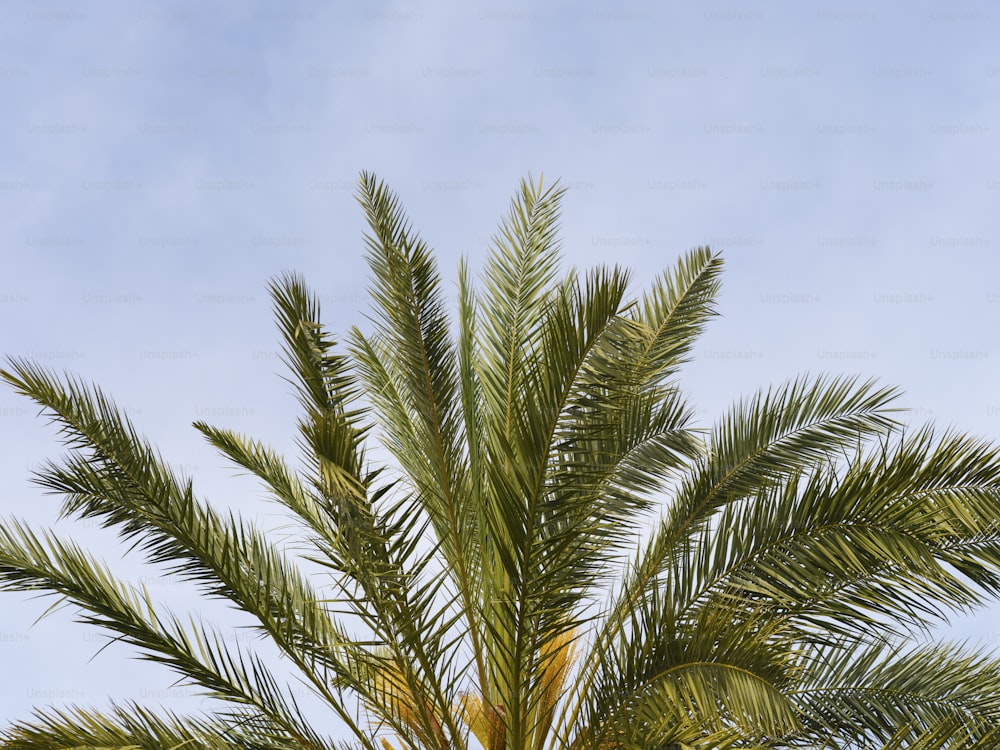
(557, 557)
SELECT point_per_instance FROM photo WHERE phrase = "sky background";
(160, 162)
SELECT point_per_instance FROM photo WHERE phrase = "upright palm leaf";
(494, 590)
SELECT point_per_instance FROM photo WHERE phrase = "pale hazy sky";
(159, 162)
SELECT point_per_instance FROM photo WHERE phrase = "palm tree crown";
(497, 586)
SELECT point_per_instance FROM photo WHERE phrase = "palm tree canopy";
(556, 557)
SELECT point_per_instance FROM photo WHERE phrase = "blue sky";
(160, 162)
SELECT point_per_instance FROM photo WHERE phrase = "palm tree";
(505, 584)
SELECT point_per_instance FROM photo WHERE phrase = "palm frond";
(518, 281)
(895, 539)
(898, 695)
(767, 437)
(197, 653)
(410, 367)
(131, 726)
(114, 476)
(667, 682)
(673, 313)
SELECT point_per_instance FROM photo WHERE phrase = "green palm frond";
(673, 313)
(331, 427)
(518, 280)
(903, 535)
(508, 317)
(114, 476)
(736, 672)
(197, 653)
(132, 727)
(764, 438)
(893, 694)
(409, 366)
